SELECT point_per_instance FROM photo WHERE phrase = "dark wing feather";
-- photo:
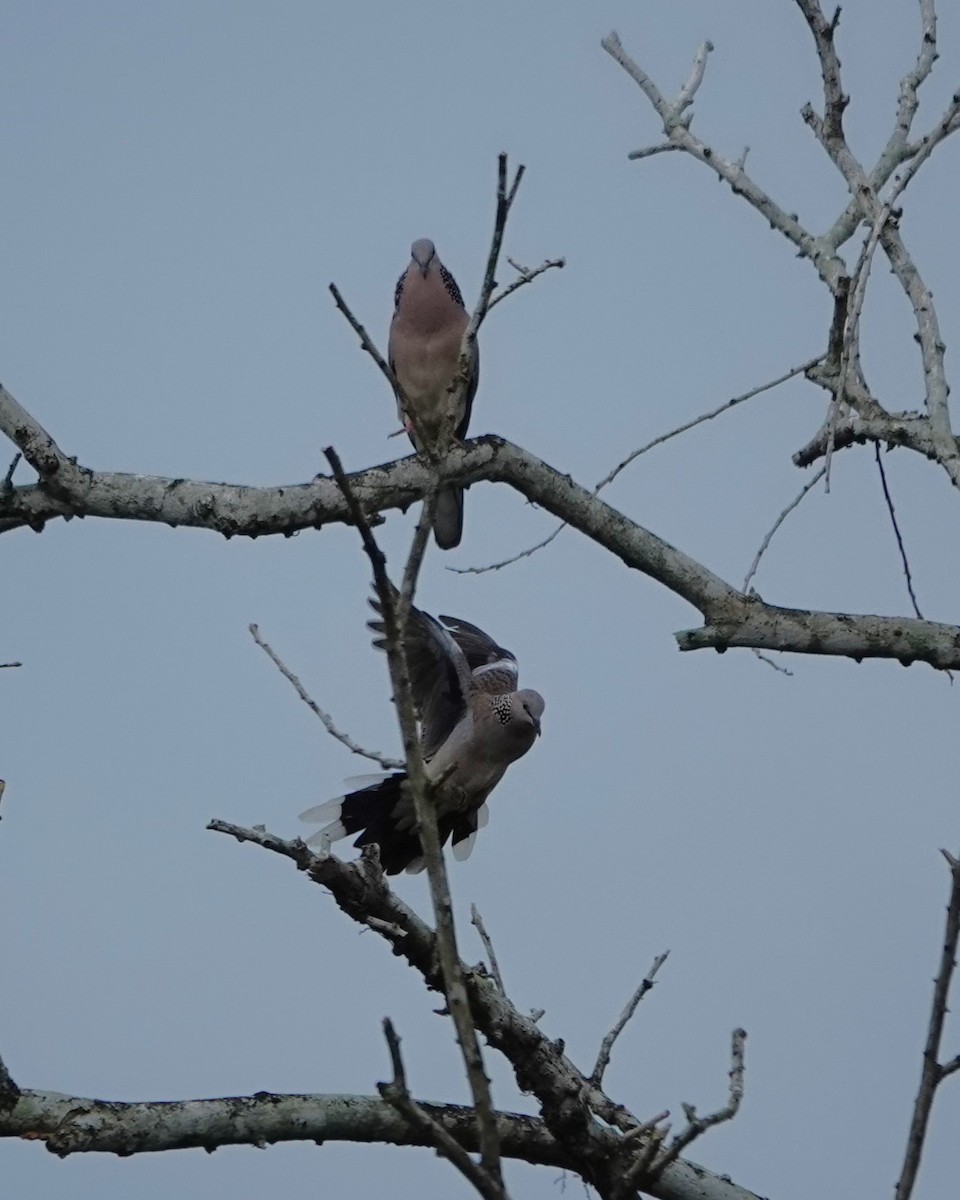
(439, 675)
(479, 649)
(474, 381)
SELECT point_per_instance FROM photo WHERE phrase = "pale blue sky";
(181, 182)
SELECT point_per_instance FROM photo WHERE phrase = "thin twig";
(387, 929)
(397, 1094)
(388, 764)
(477, 922)
(707, 416)
(422, 792)
(606, 1046)
(635, 454)
(949, 1067)
(692, 86)
(514, 558)
(656, 1133)
(764, 658)
(650, 151)
(10, 664)
(697, 1125)
(505, 199)
(896, 530)
(9, 1092)
(812, 483)
(418, 548)
(8, 478)
(525, 275)
(365, 340)
(933, 1072)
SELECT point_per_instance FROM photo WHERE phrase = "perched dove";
(426, 334)
(473, 725)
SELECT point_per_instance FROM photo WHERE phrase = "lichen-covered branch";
(78, 1124)
(731, 618)
(567, 1097)
(866, 204)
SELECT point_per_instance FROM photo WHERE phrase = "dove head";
(423, 252)
(531, 708)
(518, 724)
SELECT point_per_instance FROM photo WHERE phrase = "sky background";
(181, 183)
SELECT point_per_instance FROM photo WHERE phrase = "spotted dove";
(426, 336)
(473, 725)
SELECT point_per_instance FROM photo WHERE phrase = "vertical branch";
(829, 132)
(505, 199)
(397, 1094)
(933, 1070)
(394, 612)
(896, 530)
(9, 1092)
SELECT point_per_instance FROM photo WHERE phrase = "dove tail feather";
(448, 519)
(382, 813)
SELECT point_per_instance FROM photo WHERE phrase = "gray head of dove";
(423, 252)
(516, 722)
(532, 704)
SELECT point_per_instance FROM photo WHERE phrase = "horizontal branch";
(74, 1124)
(911, 430)
(731, 618)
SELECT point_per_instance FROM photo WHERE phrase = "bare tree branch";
(505, 199)
(59, 473)
(606, 1046)
(829, 131)
(388, 764)
(78, 1124)
(477, 922)
(75, 1124)
(731, 619)
(650, 1136)
(366, 341)
(909, 429)
(676, 125)
(394, 611)
(896, 531)
(933, 1071)
(897, 149)
(768, 538)
(707, 416)
(566, 1096)
(420, 1120)
(7, 485)
(9, 1092)
(525, 275)
(864, 204)
(634, 454)
(698, 1125)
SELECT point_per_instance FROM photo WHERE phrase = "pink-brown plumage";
(426, 340)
